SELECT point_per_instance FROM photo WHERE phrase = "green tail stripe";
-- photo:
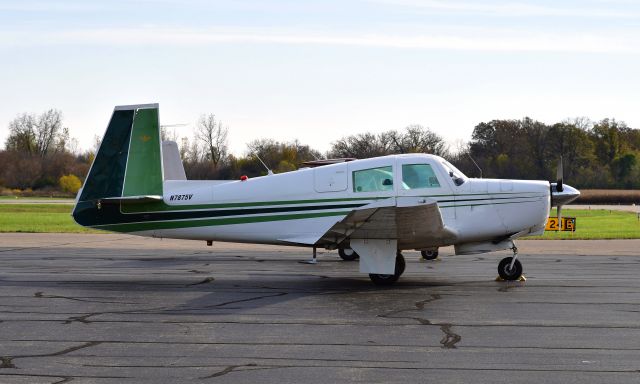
(144, 166)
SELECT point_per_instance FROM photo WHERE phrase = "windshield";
(456, 175)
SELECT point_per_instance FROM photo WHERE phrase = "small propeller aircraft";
(370, 209)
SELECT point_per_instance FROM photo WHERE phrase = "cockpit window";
(456, 175)
(373, 180)
(418, 176)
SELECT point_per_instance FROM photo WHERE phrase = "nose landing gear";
(510, 268)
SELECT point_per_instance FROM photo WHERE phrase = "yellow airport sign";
(568, 224)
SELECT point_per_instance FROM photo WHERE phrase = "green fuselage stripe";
(160, 207)
(148, 226)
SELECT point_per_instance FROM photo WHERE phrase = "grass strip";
(590, 224)
(39, 218)
(594, 224)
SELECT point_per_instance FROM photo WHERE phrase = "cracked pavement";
(114, 308)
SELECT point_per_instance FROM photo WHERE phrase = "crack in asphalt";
(83, 318)
(449, 339)
(419, 305)
(205, 281)
(228, 369)
(243, 300)
(7, 361)
(43, 296)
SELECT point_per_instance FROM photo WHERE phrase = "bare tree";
(580, 122)
(213, 135)
(418, 139)
(22, 134)
(184, 148)
(38, 135)
(415, 139)
(50, 135)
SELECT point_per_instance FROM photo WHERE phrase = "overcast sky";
(319, 70)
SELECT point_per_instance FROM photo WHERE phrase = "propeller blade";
(559, 176)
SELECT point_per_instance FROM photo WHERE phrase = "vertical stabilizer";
(127, 168)
(128, 162)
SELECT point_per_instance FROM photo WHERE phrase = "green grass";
(43, 198)
(38, 218)
(590, 224)
(597, 224)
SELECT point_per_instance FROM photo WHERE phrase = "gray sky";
(319, 70)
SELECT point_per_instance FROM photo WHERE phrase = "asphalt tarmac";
(115, 308)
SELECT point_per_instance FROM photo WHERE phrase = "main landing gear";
(390, 279)
(348, 254)
(429, 254)
(510, 268)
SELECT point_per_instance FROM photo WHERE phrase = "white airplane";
(371, 209)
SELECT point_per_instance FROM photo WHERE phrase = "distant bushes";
(609, 196)
(70, 183)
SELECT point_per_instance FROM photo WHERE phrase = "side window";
(418, 176)
(373, 180)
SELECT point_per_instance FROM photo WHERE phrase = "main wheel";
(429, 254)
(390, 279)
(506, 272)
(347, 254)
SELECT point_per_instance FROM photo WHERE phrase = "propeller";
(561, 194)
(559, 186)
(559, 175)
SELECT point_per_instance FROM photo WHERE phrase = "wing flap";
(413, 222)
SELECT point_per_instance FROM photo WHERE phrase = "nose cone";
(567, 195)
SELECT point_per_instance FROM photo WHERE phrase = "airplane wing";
(414, 222)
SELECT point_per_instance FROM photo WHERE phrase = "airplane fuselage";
(290, 207)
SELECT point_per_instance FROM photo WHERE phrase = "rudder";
(128, 165)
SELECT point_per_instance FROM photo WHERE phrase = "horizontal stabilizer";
(130, 199)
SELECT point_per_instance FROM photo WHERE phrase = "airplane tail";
(128, 166)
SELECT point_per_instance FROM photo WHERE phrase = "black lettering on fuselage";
(180, 197)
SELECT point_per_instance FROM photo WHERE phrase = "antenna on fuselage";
(476, 164)
(269, 171)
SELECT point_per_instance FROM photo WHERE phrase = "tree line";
(40, 155)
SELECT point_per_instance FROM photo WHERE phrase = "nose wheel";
(378, 279)
(510, 268)
(508, 272)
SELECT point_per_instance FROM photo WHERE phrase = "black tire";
(430, 254)
(348, 254)
(378, 279)
(507, 273)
